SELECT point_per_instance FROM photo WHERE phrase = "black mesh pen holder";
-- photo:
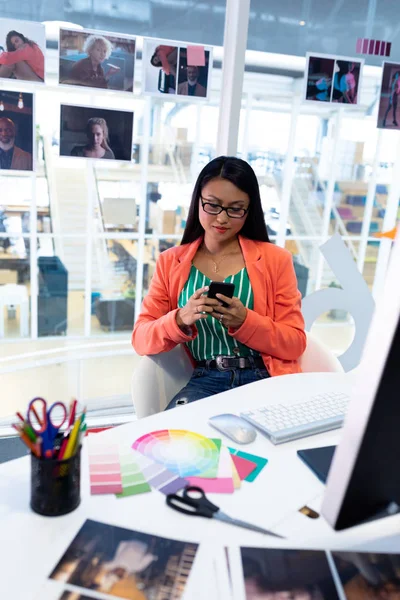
(55, 485)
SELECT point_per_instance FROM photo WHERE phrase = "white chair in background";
(158, 378)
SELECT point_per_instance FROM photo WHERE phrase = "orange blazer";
(275, 327)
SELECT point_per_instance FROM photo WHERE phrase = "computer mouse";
(234, 427)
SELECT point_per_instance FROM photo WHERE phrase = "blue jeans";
(207, 382)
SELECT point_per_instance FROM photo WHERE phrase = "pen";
(72, 413)
(32, 446)
(27, 428)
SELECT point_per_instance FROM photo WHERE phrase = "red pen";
(72, 413)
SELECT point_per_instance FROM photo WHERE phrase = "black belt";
(225, 363)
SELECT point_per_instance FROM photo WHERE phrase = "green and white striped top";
(212, 338)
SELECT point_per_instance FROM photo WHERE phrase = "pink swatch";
(214, 486)
(104, 469)
(359, 45)
(195, 56)
(244, 467)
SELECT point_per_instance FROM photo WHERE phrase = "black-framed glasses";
(216, 209)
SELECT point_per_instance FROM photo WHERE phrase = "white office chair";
(158, 378)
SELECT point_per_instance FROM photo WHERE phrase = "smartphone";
(220, 287)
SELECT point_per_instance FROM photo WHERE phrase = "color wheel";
(184, 452)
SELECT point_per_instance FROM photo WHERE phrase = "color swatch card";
(133, 480)
(224, 482)
(157, 476)
(104, 468)
(258, 461)
(186, 453)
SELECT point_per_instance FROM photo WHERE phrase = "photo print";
(96, 59)
(333, 79)
(125, 564)
(22, 50)
(388, 117)
(368, 576)
(346, 81)
(98, 133)
(16, 131)
(282, 574)
(160, 61)
(193, 77)
(319, 77)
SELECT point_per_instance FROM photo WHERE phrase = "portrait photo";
(22, 50)
(296, 574)
(368, 576)
(125, 563)
(97, 133)
(95, 59)
(160, 61)
(346, 81)
(193, 78)
(388, 102)
(319, 78)
(16, 131)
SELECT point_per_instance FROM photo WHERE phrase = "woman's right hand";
(198, 307)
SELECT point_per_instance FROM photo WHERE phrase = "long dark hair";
(13, 33)
(240, 173)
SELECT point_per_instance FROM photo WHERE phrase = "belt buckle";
(219, 361)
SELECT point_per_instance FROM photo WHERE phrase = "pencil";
(30, 432)
(33, 447)
(72, 440)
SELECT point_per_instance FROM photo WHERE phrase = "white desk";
(272, 501)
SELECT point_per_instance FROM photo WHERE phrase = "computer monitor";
(364, 478)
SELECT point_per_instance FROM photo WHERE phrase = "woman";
(393, 98)
(97, 146)
(166, 58)
(345, 84)
(23, 59)
(262, 329)
(88, 71)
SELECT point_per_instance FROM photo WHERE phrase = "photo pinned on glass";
(346, 81)
(160, 62)
(333, 79)
(22, 50)
(193, 79)
(388, 117)
(319, 78)
(96, 133)
(16, 131)
(96, 59)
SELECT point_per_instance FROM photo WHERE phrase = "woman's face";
(96, 136)
(221, 192)
(98, 52)
(17, 42)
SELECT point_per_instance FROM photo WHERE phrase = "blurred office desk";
(272, 501)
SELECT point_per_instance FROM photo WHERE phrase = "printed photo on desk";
(99, 133)
(96, 59)
(282, 574)
(367, 576)
(389, 97)
(22, 50)
(16, 131)
(193, 72)
(159, 67)
(126, 564)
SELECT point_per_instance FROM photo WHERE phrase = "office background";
(86, 291)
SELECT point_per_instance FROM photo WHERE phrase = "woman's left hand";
(234, 315)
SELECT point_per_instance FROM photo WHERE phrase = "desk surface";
(272, 501)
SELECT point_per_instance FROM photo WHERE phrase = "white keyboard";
(281, 423)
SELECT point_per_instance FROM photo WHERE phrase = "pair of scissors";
(194, 502)
(39, 418)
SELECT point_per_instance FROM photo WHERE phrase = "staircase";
(68, 191)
